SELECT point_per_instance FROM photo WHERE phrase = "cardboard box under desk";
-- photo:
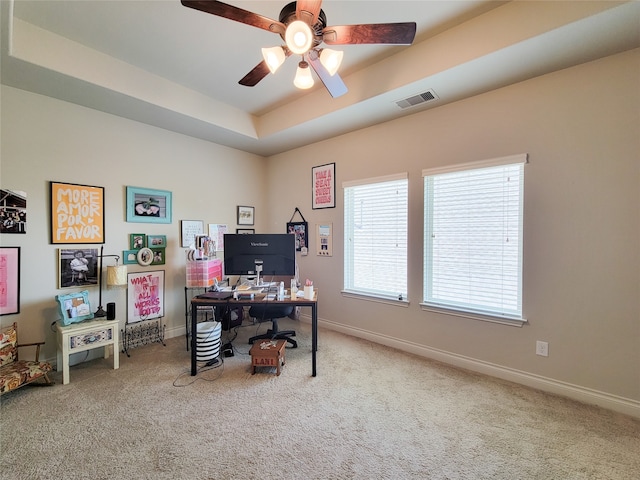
(201, 273)
(267, 353)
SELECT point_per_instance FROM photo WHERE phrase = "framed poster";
(323, 179)
(145, 296)
(246, 215)
(13, 211)
(300, 230)
(9, 280)
(77, 267)
(77, 213)
(216, 232)
(189, 229)
(324, 239)
(145, 205)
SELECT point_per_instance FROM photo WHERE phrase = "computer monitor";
(245, 253)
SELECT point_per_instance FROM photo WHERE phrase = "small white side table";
(87, 335)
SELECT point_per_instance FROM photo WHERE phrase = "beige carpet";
(372, 412)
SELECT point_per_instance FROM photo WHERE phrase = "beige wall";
(581, 130)
(45, 139)
(582, 217)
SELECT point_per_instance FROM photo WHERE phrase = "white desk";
(87, 335)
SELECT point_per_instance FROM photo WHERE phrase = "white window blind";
(473, 237)
(375, 219)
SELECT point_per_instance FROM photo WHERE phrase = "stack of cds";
(208, 341)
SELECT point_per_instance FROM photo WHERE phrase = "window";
(473, 237)
(375, 217)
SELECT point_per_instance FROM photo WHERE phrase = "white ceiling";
(161, 63)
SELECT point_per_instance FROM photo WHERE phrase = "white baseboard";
(586, 395)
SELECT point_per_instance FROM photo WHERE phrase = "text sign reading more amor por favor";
(77, 213)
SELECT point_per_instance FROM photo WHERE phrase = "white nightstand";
(87, 335)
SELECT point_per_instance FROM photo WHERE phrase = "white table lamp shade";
(117, 275)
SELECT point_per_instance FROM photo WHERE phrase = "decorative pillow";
(74, 307)
(8, 348)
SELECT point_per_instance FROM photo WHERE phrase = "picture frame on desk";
(74, 307)
(245, 231)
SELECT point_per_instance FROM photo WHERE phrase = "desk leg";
(194, 327)
(314, 337)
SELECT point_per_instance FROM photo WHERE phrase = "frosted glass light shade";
(331, 60)
(303, 78)
(117, 275)
(274, 57)
(298, 37)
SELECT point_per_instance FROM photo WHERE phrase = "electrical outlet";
(542, 348)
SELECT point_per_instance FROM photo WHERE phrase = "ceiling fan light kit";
(299, 37)
(303, 27)
(274, 57)
(331, 59)
(303, 78)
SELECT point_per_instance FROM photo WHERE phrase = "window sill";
(504, 320)
(375, 298)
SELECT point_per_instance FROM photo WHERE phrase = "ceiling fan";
(303, 27)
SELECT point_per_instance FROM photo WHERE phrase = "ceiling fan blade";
(252, 78)
(234, 13)
(308, 10)
(390, 33)
(334, 84)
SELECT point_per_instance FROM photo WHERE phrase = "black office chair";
(264, 313)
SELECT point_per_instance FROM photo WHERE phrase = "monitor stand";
(258, 270)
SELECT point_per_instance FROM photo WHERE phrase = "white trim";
(474, 315)
(492, 162)
(368, 181)
(615, 403)
(389, 300)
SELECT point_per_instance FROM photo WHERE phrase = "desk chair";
(264, 313)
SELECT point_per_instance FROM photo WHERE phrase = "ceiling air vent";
(418, 99)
